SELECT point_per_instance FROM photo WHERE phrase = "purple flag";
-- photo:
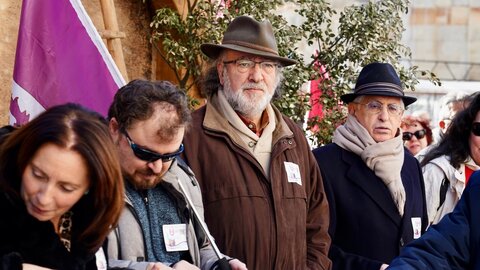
(60, 58)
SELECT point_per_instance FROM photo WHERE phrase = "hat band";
(250, 45)
(378, 87)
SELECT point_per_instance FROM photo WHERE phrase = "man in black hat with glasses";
(262, 189)
(374, 186)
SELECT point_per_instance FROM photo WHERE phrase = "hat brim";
(407, 100)
(213, 51)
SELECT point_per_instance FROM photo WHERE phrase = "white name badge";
(417, 227)
(175, 237)
(293, 173)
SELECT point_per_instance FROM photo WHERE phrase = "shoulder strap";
(184, 166)
(443, 191)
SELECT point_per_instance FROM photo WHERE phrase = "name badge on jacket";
(175, 237)
(293, 173)
(417, 227)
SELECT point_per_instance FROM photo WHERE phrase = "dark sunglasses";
(407, 136)
(476, 128)
(150, 156)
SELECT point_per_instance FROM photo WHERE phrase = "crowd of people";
(234, 184)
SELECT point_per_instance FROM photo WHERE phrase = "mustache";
(250, 85)
(148, 172)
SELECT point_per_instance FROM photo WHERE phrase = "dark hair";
(455, 143)
(209, 81)
(136, 100)
(72, 127)
(5, 131)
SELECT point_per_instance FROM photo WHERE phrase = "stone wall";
(447, 32)
(133, 20)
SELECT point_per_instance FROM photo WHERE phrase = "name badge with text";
(175, 236)
(293, 173)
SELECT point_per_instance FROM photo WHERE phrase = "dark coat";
(24, 239)
(454, 242)
(365, 225)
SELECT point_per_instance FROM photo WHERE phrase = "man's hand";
(237, 265)
(383, 267)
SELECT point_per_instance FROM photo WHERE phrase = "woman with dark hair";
(416, 133)
(449, 164)
(60, 190)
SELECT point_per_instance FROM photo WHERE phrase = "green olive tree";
(364, 33)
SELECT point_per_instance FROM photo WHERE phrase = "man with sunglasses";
(157, 229)
(263, 194)
(373, 184)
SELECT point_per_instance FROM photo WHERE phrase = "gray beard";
(250, 107)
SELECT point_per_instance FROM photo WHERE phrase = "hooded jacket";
(126, 246)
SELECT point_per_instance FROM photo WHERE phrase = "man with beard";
(157, 229)
(262, 189)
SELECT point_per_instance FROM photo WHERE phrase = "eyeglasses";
(476, 128)
(375, 107)
(407, 136)
(244, 65)
(150, 156)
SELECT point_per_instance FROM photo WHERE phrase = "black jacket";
(24, 239)
(365, 225)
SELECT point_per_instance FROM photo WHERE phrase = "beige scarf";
(384, 158)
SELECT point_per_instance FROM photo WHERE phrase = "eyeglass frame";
(476, 128)
(275, 64)
(139, 151)
(419, 134)
(371, 110)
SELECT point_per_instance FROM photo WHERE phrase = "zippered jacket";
(126, 246)
(266, 220)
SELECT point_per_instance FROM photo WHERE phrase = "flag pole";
(113, 35)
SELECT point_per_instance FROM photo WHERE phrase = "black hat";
(245, 34)
(378, 79)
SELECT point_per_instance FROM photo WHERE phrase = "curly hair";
(455, 143)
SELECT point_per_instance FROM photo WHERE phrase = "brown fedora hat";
(378, 79)
(245, 34)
